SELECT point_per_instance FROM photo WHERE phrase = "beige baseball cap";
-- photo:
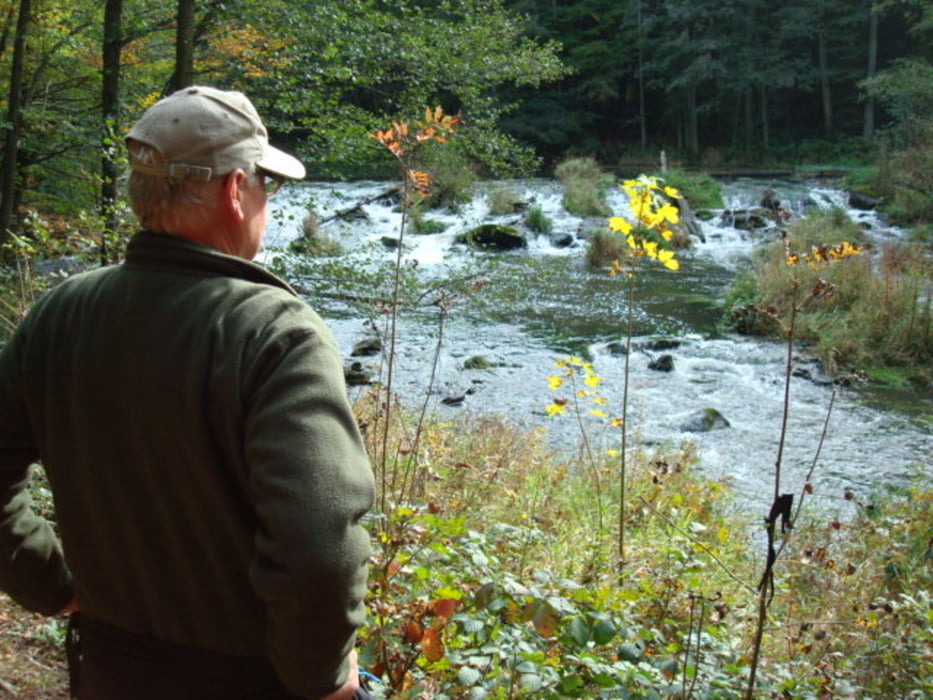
(203, 132)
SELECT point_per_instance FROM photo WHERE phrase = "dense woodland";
(711, 83)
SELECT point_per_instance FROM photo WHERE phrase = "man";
(190, 412)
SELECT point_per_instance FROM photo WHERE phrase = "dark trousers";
(107, 663)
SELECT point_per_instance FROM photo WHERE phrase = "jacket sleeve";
(32, 567)
(311, 483)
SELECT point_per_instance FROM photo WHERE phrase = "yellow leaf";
(617, 223)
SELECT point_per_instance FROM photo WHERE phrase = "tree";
(183, 75)
(110, 113)
(8, 168)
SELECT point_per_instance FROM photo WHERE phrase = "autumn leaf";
(431, 645)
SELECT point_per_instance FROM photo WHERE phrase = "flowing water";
(543, 303)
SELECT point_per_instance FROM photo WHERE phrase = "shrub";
(876, 313)
(603, 247)
(503, 199)
(538, 221)
(584, 183)
(312, 242)
(701, 190)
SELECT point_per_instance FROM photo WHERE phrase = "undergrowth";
(495, 581)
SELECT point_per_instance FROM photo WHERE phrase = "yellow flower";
(599, 414)
(612, 453)
(671, 192)
(592, 380)
(617, 223)
(554, 409)
(554, 382)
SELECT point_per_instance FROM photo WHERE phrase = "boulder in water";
(493, 237)
(705, 420)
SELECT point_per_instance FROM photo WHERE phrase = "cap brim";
(281, 163)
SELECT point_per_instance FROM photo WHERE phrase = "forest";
(745, 83)
(505, 568)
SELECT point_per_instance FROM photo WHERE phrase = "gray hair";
(168, 204)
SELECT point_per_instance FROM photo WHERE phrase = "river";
(542, 303)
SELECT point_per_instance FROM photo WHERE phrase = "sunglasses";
(271, 182)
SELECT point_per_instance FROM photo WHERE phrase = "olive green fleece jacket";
(209, 477)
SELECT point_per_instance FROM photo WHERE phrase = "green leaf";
(603, 632)
(579, 631)
(468, 675)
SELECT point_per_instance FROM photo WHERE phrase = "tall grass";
(879, 313)
(584, 183)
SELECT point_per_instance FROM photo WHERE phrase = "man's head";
(194, 150)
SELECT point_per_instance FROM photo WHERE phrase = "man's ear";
(233, 194)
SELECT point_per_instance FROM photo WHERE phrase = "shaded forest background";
(711, 84)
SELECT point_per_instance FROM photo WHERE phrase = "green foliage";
(700, 189)
(495, 582)
(584, 183)
(539, 222)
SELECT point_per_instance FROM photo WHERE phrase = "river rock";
(862, 201)
(688, 222)
(665, 363)
(366, 348)
(356, 374)
(745, 219)
(562, 240)
(617, 347)
(658, 344)
(493, 237)
(705, 420)
(477, 362)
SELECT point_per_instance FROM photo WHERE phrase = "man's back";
(190, 415)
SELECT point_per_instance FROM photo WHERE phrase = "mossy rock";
(477, 362)
(705, 420)
(493, 237)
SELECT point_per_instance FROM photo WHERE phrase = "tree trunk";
(765, 124)
(183, 75)
(825, 91)
(8, 166)
(642, 118)
(110, 111)
(693, 138)
(868, 129)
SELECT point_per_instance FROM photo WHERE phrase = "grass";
(877, 314)
(701, 190)
(584, 184)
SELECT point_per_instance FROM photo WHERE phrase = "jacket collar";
(149, 250)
